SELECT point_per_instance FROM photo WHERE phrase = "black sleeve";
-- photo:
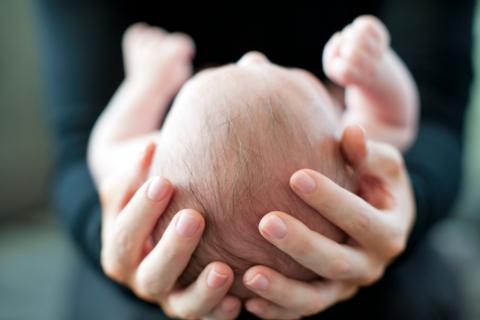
(434, 38)
(80, 41)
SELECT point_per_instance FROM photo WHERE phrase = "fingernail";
(187, 224)
(274, 226)
(258, 282)
(158, 189)
(216, 279)
(303, 182)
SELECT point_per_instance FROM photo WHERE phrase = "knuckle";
(187, 314)
(350, 293)
(362, 223)
(395, 248)
(145, 296)
(173, 253)
(339, 267)
(121, 240)
(320, 303)
(168, 310)
(148, 285)
(373, 276)
(113, 270)
(302, 247)
(313, 308)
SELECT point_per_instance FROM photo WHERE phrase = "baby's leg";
(380, 94)
(156, 66)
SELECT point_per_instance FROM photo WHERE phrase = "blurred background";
(37, 257)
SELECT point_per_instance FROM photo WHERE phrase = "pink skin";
(236, 94)
(131, 119)
(157, 65)
(131, 207)
(380, 94)
(378, 229)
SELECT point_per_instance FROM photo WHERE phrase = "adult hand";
(378, 222)
(130, 210)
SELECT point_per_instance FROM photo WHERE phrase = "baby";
(236, 133)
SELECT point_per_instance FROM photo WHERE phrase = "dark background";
(37, 258)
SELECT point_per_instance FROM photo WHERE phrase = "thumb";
(371, 158)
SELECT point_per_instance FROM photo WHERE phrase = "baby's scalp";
(233, 138)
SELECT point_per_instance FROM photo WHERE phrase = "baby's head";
(232, 140)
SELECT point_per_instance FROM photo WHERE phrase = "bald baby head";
(232, 140)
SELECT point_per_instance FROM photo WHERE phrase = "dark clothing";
(81, 41)
(419, 288)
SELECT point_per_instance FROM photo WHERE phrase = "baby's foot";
(157, 59)
(354, 55)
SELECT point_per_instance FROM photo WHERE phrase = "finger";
(380, 161)
(302, 299)
(348, 211)
(117, 190)
(159, 270)
(354, 145)
(138, 219)
(379, 167)
(229, 308)
(373, 158)
(314, 251)
(124, 242)
(199, 298)
(390, 189)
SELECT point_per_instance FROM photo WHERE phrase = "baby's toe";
(134, 34)
(356, 57)
(357, 40)
(343, 73)
(154, 36)
(330, 52)
(180, 45)
(373, 28)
